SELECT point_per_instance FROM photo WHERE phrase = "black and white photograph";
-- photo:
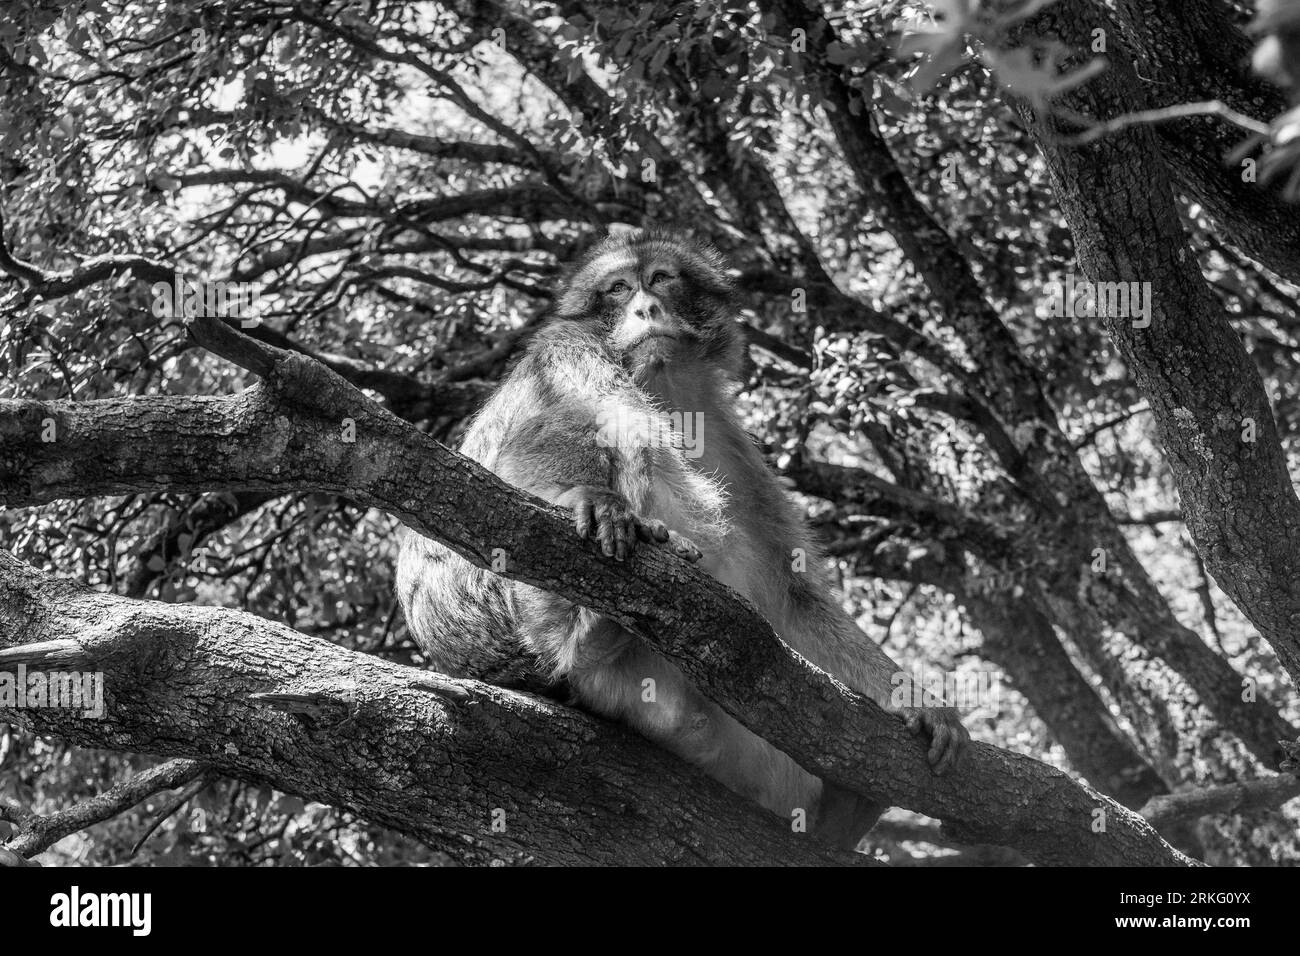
(570, 434)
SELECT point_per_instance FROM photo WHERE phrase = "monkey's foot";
(654, 530)
(844, 817)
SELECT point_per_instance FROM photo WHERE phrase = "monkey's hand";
(948, 738)
(605, 515)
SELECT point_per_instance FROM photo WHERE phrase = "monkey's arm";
(558, 457)
(819, 629)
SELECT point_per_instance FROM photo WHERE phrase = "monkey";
(643, 346)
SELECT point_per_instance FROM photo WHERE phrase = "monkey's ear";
(736, 358)
(625, 231)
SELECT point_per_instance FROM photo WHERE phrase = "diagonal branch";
(51, 284)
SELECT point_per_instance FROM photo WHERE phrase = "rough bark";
(1199, 52)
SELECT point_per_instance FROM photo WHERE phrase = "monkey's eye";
(618, 288)
(661, 276)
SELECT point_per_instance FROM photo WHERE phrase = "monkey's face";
(646, 308)
(657, 299)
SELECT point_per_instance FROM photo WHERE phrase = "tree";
(393, 186)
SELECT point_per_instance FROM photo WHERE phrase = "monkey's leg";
(652, 696)
(814, 625)
(846, 817)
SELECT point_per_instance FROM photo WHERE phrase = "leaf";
(939, 61)
(1035, 74)
(659, 59)
(889, 101)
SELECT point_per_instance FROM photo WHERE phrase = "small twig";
(1203, 593)
(46, 284)
(1151, 518)
(898, 608)
(16, 267)
(1164, 114)
(185, 796)
(1091, 434)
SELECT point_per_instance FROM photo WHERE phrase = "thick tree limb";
(407, 395)
(423, 754)
(1231, 798)
(856, 486)
(1018, 637)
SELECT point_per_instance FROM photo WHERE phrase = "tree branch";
(51, 284)
(437, 759)
(1126, 602)
(36, 834)
(1232, 798)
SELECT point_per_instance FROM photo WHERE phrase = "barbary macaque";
(643, 346)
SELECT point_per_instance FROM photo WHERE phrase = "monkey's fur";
(645, 327)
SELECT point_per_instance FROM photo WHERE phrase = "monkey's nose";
(650, 311)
